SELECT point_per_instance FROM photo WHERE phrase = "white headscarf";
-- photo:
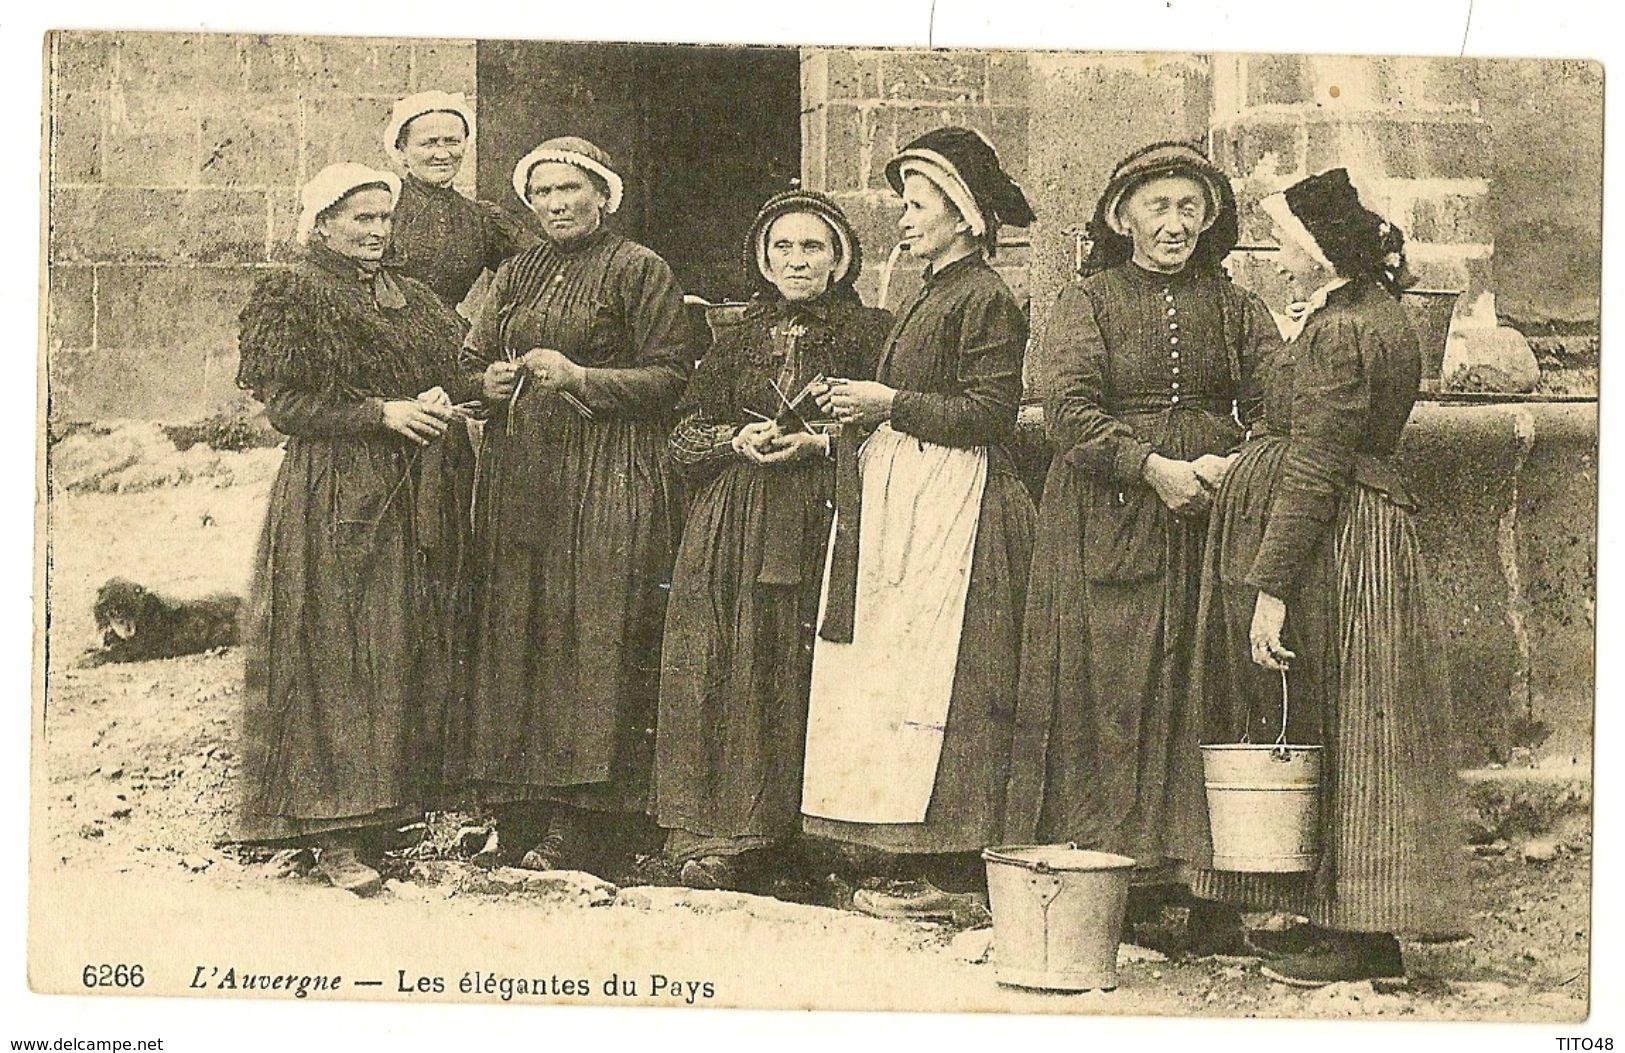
(332, 184)
(570, 150)
(413, 106)
(942, 174)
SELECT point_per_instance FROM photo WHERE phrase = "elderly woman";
(1148, 373)
(1313, 544)
(739, 632)
(914, 672)
(441, 238)
(580, 348)
(347, 673)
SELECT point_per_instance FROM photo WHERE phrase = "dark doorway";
(702, 136)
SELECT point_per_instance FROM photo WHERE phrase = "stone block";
(1459, 218)
(814, 155)
(443, 65)
(853, 74)
(1266, 150)
(273, 65)
(151, 139)
(1450, 82)
(1008, 130)
(252, 141)
(343, 128)
(1276, 79)
(1008, 78)
(143, 307)
(1427, 150)
(80, 61)
(935, 76)
(358, 66)
(159, 62)
(849, 144)
(127, 225)
(76, 135)
(71, 303)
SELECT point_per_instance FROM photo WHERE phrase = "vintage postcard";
(817, 527)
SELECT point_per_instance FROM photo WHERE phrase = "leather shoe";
(709, 872)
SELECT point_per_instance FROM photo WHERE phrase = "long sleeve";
(313, 414)
(1075, 364)
(658, 328)
(1331, 405)
(982, 409)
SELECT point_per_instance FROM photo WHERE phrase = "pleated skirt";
(1369, 685)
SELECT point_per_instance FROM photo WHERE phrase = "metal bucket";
(1263, 803)
(1057, 915)
(1430, 311)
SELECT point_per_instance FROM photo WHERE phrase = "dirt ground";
(137, 778)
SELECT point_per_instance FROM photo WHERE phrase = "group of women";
(796, 594)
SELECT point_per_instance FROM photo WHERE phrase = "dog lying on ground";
(136, 624)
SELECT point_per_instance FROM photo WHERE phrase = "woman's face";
(566, 200)
(434, 147)
(930, 226)
(800, 255)
(358, 226)
(1164, 217)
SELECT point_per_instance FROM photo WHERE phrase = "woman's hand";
(1211, 469)
(499, 379)
(1264, 638)
(788, 447)
(552, 370)
(754, 440)
(864, 402)
(1176, 483)
(421, 422)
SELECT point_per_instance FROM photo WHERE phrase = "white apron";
(879, 705)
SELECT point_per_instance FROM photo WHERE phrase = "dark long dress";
(955, 356)
(353, 655)
(1315, 514)
(1137, 362)
(446, 241)
(739, 631)
(575, 526)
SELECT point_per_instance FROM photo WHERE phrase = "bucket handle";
(1280, 752)
(1044, 868)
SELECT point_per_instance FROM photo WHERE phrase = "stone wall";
(175, 163)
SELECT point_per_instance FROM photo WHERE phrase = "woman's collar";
(953, 266)
(386, 291)
(581, 244)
